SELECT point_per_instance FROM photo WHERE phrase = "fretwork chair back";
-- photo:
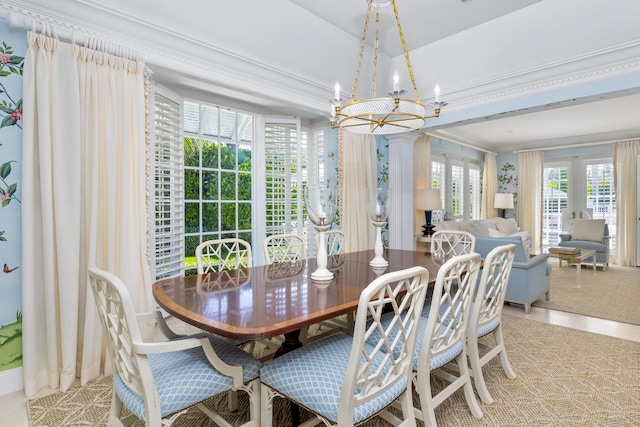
(284, 248)
(343, 379)
(336, 242)
(223, 254)
(444, 338)
(159, 381)
(486, 317)
(446, 244)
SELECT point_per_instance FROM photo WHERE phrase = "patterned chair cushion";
(489, 327)
(313, 376)
(184, 378)
(436, 362)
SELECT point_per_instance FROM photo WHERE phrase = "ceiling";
(575, 121)
(483, 49)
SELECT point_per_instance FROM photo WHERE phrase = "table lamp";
(502, 202)
(428, 200)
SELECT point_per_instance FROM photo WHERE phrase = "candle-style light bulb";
(336, 94)
(437, 91)
(396, 82)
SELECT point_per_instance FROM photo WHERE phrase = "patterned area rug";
(565, 377)
(613, 294)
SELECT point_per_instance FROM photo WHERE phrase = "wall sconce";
(502, 202)
(427, 201)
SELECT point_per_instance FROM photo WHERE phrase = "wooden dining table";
(265, 301)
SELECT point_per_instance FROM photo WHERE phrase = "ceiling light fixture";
(390, 114)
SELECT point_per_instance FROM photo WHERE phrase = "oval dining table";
(265, 301)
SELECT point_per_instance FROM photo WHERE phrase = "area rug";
(613, 294)
(565, 377)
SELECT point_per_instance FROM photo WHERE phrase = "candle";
(396, 82)
(437, 91)
(336, 94)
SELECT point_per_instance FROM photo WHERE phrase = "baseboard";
(10, 381)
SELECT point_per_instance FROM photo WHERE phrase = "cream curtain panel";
(422, 173)
(358, 175)
(489, 186)
(529, 208)
(84, 202)
(626, 177)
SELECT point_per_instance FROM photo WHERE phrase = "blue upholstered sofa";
(530, 277)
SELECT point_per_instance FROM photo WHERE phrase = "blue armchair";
(530, 277)
(584, 241)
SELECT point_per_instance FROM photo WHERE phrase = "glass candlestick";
(378, 208)
(320, 201)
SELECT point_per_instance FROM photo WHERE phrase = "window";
(460, 186)
(167, 212)
(218, 149)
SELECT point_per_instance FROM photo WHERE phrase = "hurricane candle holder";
(379, 207)
(320, 201)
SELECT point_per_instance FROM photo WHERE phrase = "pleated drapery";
(422, 173)
(84, 194)
(358, 175)
(626, 178)
(489, 186)
(529, 208)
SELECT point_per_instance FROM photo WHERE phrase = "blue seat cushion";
(185, 378)
(488, 327)
(313, 376)
(435, 362)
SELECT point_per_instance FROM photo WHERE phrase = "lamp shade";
(428, 200)
(503, 201)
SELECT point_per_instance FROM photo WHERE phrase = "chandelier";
(382, 115)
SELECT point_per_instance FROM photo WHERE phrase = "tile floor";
(13, 407)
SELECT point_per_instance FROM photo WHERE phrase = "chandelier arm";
(406, 51)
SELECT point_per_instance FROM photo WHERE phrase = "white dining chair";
(486, 317)
(443, 341)
(284, 248)
(223, 254)
(159, 381)
(344, 380)
(449, 243)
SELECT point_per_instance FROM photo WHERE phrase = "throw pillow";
(591, 230)
(469, 227)
(507, 226)
(447, 225)
(495, 233)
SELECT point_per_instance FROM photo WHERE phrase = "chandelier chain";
(406, 52)
(361, 55)
(375, 53)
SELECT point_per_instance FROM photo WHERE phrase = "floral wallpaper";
(12, 51)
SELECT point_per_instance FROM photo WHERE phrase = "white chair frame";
(486, 317)
(363, 381)
(444, 339)
(449, 243)
(284, 248)
(129, 356)
(223, 254)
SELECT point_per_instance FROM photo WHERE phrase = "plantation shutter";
(167, 199)
(286, 174)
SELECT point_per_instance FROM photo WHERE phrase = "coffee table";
(577, 259)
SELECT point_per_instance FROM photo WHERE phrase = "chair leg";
(527, 308)
(232, 400)
(427, 407)
(469, 395)
(546, 295)
(476, 372)
(266, 406)
(504, 360)
(255, 403)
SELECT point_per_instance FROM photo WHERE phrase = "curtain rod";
(577, 145)
(461, 143)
